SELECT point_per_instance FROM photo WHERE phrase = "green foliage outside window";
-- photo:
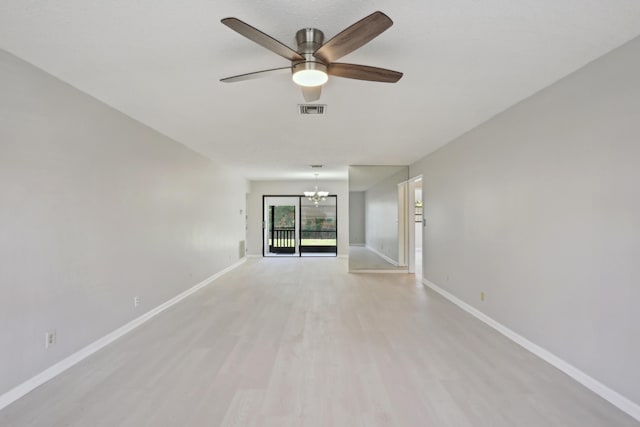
(284, 217)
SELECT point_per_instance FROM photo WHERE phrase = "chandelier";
(316, 196)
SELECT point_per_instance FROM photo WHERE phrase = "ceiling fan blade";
(256, 75)
(311, 93)
(355, 36)
(262, 39)
(363, 72)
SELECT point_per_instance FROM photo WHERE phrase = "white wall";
(356, 218)
(294, 188)
(381, 214)
(96, 208)
(540, 209)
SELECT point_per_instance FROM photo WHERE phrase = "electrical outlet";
(137, 301)
(49, 339)
(481, 296)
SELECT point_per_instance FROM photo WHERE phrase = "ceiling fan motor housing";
(309, 40)
(309, 65)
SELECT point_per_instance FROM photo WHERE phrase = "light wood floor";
(300, 342)
(364, 259)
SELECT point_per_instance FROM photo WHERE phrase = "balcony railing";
(318, 241)
(282, 240)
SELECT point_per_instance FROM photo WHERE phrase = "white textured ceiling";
(160, 62)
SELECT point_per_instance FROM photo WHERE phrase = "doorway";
(416, 225)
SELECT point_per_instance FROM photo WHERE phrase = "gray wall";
(381, 214)
(96, 209)
(294, 188)
(356, 218)
(540, 209)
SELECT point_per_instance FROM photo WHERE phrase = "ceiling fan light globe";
(309, 74)
(310, 78)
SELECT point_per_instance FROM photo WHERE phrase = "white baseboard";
(66, 363)
(383, 256)
(615, 398)
(379, 271)
(356, 244)
(254, 256)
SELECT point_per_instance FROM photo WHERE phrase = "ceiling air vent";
(312, 108)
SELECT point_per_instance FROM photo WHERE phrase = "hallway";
(289, 342)
(364, 260)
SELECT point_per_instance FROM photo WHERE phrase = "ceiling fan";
(313, 62)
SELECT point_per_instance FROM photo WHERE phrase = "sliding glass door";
(296, 226)
(318, 226)
(281, 219)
